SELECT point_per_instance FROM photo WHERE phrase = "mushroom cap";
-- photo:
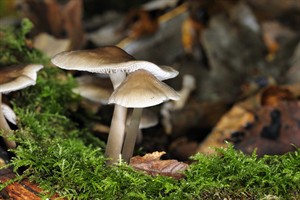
(18, 77)
(141, 89)
(110, 59)
(93, 89)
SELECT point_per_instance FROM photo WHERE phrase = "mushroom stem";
(117, 127)
(117, 78)
(6, 129)
(131, 134)
(188, 85)
(116, 134)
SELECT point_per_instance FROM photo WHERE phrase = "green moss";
(235, 174)
(15, 48)
(64, 158)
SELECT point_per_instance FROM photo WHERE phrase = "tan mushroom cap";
(141, 89)
(93, 89)
(110, 59)
(18, 77)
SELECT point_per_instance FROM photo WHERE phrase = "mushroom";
(11, 79)
(50, 45)
(93, 89)
(140, 89)
(95, 92)
(9, 114)
(188, 85)
(116, 62)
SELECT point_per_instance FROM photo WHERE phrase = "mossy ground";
(65, 158)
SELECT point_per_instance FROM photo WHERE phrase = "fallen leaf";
(274, 35)
(140, 23)
(234, 120)
(20, 190)
(273, 95)
(151, 164)
(275, 132)
(191, 35)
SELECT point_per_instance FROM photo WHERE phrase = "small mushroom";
(95, 91)
(93, 88)
(116, 62)
(11, 79)
(9, 114)
(140, 89)
(188, 85)
(50, 45)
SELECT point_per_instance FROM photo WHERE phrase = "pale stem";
(184, 95)
(166, 117)
(6, 129)
(131, 134)
(117, 126)
(116, 134)
(188, 85)
(117, 78)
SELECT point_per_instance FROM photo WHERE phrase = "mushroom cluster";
(137, 84)
(14, 78)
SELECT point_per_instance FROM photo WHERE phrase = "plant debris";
(274, 132)
(151, 164)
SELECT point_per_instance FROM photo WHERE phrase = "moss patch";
(15, 48)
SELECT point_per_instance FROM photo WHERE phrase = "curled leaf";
(151, 164)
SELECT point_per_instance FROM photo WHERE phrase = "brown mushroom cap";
(141, 89)
(110, 59)
(11, 79)
(18, 77)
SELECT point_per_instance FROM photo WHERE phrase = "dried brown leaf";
(139, 23)
(191, 34)
(273, 95)
(22, 190)
(151, 164)
(275, 131)
(234, 120)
